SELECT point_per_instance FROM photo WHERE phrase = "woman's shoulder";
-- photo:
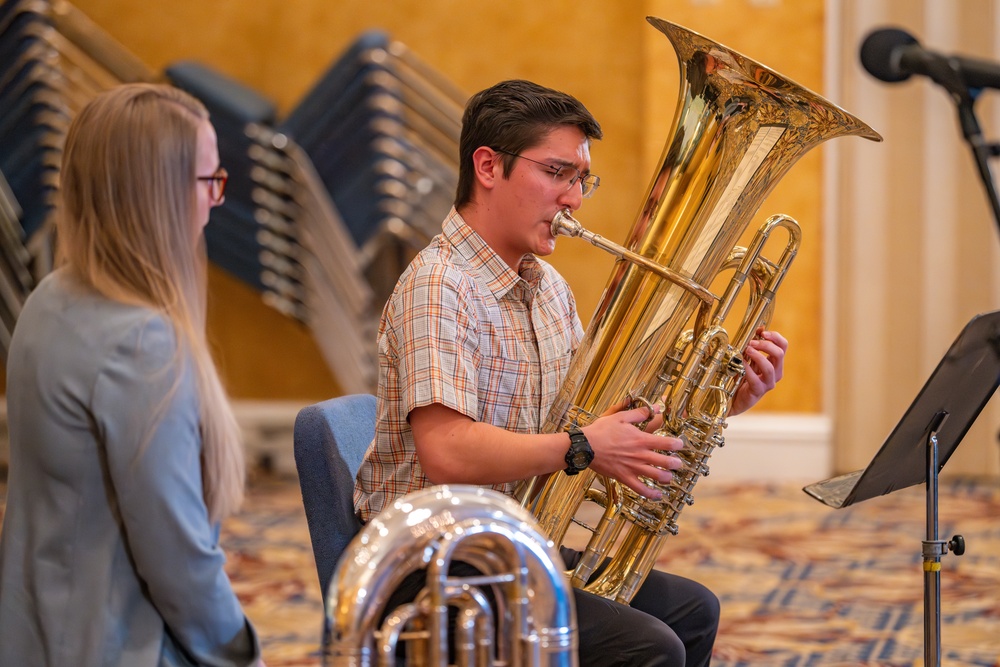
(62, 308)
(93, 355)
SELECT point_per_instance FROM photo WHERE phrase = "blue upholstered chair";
(330, 440)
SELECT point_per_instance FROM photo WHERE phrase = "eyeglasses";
(217, 184)
(565, 175)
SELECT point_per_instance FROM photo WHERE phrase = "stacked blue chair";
(53, 60)
(382, 130)
(16, 280)
(35, 110)
(337, 198)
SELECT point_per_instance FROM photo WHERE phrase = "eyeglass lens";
(216, 184)
(566, 175)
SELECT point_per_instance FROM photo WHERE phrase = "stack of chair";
(382, 129)
(324, 209)
(53, 60)
(238, 239)
(339, 196)
(273, 230)
(16, 280)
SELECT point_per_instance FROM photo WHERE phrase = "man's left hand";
(765, 359)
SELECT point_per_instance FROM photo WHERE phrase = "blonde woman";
(124, 451)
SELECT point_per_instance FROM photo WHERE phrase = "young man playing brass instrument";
(474, 343)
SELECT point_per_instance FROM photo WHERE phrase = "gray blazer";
(107, 555)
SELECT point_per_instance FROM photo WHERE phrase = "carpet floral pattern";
(802, 585)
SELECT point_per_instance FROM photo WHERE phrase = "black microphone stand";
(981, 151)
(950, 77)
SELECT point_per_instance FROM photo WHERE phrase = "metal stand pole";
(933, 550)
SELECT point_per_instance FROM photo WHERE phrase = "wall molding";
(764, 447)
(775, 447)
(268, 428)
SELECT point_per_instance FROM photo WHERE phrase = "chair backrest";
(330, 441)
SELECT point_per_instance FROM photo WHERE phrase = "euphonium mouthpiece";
(564, 223)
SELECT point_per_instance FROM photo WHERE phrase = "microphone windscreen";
(877, 53)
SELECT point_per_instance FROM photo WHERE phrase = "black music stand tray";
(920, 445)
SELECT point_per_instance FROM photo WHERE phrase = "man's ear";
(487, 166)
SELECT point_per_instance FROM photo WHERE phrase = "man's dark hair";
(513, 116)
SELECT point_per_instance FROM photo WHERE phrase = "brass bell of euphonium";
(660, 335)
(532, 622)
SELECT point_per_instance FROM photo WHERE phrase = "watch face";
(581, 459)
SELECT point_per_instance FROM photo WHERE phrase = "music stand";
(919, 446)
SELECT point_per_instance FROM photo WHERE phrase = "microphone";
(891, 55)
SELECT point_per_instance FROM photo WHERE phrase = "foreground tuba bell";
(535, 622)
(659, 335)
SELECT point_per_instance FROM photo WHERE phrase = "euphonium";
(659, 335)
(535, 622)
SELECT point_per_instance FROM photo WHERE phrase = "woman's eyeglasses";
(216, 184)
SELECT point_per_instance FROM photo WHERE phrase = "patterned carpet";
(802, 585)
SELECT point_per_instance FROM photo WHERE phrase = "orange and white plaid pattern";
(464, 330)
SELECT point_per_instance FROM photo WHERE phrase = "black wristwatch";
(580, 453)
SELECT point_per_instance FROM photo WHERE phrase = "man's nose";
(573, 197)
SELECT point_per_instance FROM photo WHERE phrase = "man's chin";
(545, 249)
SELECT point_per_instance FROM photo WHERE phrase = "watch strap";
(579, 448)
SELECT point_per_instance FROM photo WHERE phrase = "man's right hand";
(625, 453)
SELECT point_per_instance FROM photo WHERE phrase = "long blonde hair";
(127, 227)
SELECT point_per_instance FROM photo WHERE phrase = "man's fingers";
(657, 475)
(643, 489)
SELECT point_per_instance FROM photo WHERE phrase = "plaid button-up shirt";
(464, 330)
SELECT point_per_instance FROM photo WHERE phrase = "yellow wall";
(602, 52)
